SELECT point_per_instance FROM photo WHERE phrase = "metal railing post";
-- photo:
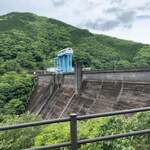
(73, 131)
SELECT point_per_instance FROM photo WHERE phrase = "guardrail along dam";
(56, 96)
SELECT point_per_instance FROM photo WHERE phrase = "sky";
(125, 19)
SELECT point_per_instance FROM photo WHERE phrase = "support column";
(59, 63)
(78, 77)
(70, 63)
(63, 68)
(66, 63)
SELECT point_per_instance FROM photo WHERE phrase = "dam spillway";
(100, 92)
(103, 96)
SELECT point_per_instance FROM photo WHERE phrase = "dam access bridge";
(89, 92)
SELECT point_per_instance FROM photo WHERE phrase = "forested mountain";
(28, 41)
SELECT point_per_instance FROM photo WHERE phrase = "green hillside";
(28, 41)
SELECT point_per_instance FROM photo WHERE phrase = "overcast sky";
(126, 19)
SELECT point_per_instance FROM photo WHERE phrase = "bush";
(14, 106)
(59, 133)
(14, 91)
(18, 138)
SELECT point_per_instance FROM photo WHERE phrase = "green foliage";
(14, 91)
(52, 135)
(19, 138)
(59, 133)
(124, 64)
(10, 65)
(142, 58)
(14, 106)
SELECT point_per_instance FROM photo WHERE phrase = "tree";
(142, 59)
(10, 65)
(123, 64)
(14, 106)
(14, 91)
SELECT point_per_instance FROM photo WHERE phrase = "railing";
(73, 119)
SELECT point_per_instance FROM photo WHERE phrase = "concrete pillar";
(70, 63)
(63, 66)
(59, 63)
(78, 77)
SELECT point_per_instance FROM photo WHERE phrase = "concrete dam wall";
(51, 95)
(43, 89)
(97, 94)
(128, 75)
(102, 96)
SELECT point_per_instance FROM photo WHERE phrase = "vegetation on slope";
(17, 139)
(53, 134)
(14, 91)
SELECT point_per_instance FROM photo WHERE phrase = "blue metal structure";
(63, 62)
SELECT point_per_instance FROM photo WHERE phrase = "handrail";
(92, 116)
(116, 136)
(50, 146)
(120, 112)
(73, 128)
(33, 124)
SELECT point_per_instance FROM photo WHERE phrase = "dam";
(55, 96)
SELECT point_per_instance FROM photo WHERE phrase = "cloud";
(119, 14)
(114, 10)
(103, 25)
(145, 6)
(143, 17)
(116, 1)
(34, 6)
(109, 24)
(57, 3)
(123, 18)
(126, 17)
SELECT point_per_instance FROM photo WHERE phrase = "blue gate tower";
(64, 60)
